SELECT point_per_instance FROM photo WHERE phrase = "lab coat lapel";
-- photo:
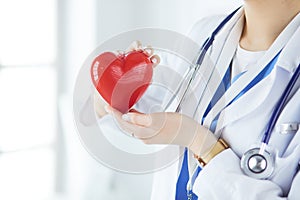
(222, 52)
(288, 59)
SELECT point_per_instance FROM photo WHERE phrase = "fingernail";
(106, 108)
(126, 117)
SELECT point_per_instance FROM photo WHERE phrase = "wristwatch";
(215, 150)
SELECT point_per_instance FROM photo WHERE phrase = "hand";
(148, 50)
(99, 103)
(165, 128)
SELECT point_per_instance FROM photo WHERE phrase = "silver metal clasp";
(189, 191)
(288, 128)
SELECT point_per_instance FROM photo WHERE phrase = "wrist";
(217, 148)
(203, 141)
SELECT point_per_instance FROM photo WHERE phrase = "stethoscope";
(258, 162)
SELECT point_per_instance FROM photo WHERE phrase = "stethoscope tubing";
(206, 45)
(280, 105)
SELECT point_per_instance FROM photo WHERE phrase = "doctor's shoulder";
(203, 28)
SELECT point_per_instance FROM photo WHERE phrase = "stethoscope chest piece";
(256, 164)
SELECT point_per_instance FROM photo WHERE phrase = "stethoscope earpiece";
(256, 164)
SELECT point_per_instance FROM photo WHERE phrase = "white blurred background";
(42, 46)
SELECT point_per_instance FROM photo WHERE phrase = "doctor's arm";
(165, 128)
(223, 178)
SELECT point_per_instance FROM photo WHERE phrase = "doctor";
(262, 38)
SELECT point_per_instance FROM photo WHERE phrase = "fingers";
(148, 50)
(99, 104)
(125, 125)
(155, 59)
(134, 126)
(131, 117)
(138, 119)
(120, 53)
(110, 110)
(149, 127)
(134, 46)
(165, 128)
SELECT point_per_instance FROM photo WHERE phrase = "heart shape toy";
(122, 79)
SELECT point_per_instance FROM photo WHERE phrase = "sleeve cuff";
(212, 175)
(222, 178)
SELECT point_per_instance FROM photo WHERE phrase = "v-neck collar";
(221, 54)
(227, 51)
(288, 59)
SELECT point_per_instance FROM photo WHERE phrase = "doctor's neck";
(265, 20)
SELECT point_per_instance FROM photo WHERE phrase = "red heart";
(122, 80)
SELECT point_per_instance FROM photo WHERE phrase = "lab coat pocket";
(285, 169)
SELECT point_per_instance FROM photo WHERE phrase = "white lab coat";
(242, 123)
